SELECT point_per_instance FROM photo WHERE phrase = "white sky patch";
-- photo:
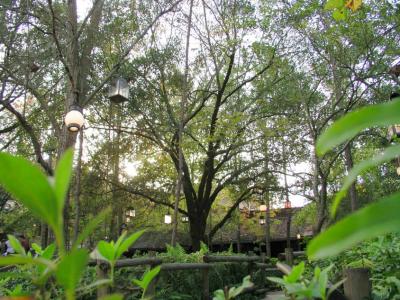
(83, 7)
(130, 168)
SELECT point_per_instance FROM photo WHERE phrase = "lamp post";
(262, 220)
(185, 219)
(298, 236)
(74, 119)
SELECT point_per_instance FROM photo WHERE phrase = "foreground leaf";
(113, 297)
(352, 123)
(25, 260)
(106, 250)
(15, 243)
(389, 154)
(124, 246)
(147, 278)
(71, 267)
(332, 4)
(373, 220)
(29, 185)
(90, 227)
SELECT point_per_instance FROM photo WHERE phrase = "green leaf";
(124, 246)
(352, 123)
(90, 227)
(296, 273)
(236, 291)
(389, 154)
(339, 15)
(29, 185)
(119, 241)
(113, 297)
(62, 177)
(24, 260)
(106, 250)
(149, 276)
(332, 4)
(372, 221)
(71, 267)
(15, 243)
(49, 251)
(277, 280)
(37, 248)
(219, 295)
(333, 287)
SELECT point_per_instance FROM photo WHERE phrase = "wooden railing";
(209, 261)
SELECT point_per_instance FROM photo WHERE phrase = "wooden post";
(289, 256)
(358, 284)
(262, 271)
(101, 271)
(206, 284)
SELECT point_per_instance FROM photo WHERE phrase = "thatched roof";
(156, 240)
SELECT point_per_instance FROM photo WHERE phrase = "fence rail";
(209, 261)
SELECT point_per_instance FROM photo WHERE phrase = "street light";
(263, 208)
(185, 219)
(74, 119)
(119, 90)
(262, 220)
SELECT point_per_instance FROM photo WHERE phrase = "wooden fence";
(209, 261)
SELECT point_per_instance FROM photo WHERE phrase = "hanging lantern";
(263, 208)
(131, 212)
(74, 119)
(298, 235)
(262, 220)
(167, 219)
(185, 219)
(119, 90)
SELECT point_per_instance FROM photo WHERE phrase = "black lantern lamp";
(130, 214)
(298, 235)
(119, 90)
(74, 118)
(185, 219)
(288, 204)
(262, 220)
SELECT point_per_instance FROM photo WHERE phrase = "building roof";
(155, 240)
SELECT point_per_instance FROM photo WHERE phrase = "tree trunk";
(198, 230)
(349, 165)
(321, 207)
(238, 233)
(268, 227)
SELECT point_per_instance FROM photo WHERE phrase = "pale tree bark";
(77, 191)
(288, 210)
(349, 165)
(183, 104)
(268, 225)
